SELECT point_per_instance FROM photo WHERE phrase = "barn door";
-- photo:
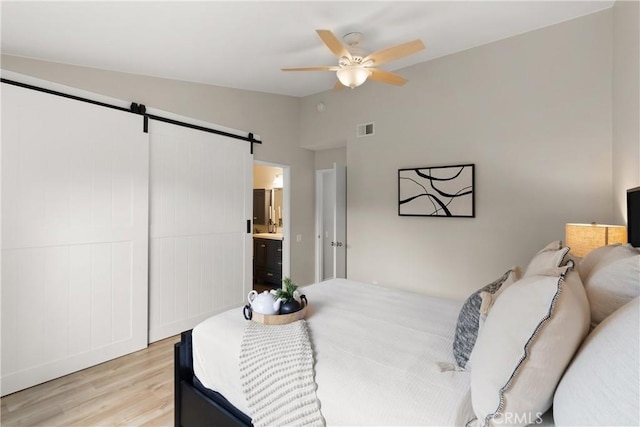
(200, 251)
(74, 236)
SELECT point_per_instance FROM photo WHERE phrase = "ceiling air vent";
(364, 129)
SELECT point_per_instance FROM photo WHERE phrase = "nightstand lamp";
(583, 238)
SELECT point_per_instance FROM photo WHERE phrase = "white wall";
(626, 104)
(324, 159)
(274, 117)
(532, 112)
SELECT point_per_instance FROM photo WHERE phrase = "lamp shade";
(352, 75)
(583, 238)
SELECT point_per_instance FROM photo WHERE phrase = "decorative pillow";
(601, 386)
(489, 298)
(469, 317)
(550, 256)
(527, 341)
(592, 259)
(613, 281)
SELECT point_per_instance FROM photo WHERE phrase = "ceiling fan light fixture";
(352, 75)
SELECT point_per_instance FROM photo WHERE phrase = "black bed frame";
(194, 405)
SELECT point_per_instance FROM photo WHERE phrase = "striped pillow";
(469, 318)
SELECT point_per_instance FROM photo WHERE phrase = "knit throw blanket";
(276, 370)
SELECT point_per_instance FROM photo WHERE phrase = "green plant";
(287, 290)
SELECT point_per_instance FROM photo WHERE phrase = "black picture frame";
(437, 191)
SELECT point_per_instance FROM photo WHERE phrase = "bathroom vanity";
(267, 258)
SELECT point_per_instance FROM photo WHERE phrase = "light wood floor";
(134, 390)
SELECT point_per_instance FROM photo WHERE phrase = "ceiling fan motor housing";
(353, 41)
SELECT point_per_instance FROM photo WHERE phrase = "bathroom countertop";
(272, 236)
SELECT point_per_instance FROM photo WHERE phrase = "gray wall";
(626, 104)
(275, 118)
(533, 112)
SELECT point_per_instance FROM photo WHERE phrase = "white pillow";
(473, 313)
(550, 256)
(612, 281)
(528, 339)
(602, 384)
(593, 258)
(488, 299)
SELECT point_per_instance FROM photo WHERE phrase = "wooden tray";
(276, 319)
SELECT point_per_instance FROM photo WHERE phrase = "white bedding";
(377, 352)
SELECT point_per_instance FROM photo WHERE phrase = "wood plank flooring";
(133, 390)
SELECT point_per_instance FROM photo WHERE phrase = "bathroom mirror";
(276, 198)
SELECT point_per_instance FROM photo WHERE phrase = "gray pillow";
(469, 320)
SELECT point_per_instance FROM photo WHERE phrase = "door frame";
(286, 214)
(319, 262)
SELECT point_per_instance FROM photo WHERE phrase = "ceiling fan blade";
(383, 76)
(334, 45)
(338, 85)
(396, 52)
(319, 68)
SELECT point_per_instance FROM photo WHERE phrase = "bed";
(384, 356)
(422, 328)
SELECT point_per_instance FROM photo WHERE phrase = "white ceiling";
(243, 44)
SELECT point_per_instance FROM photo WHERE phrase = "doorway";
(331, 218)
(271, 225)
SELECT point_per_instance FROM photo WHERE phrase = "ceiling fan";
(354, 68)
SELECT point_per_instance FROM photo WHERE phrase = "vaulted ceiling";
(244, 45)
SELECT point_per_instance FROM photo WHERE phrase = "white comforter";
(377, 355)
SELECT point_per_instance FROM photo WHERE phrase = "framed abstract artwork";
(443, 191)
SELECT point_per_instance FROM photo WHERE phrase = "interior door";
(200, 251)
(74, 235)
(340, 222)
(331, 218)
(328, 224)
